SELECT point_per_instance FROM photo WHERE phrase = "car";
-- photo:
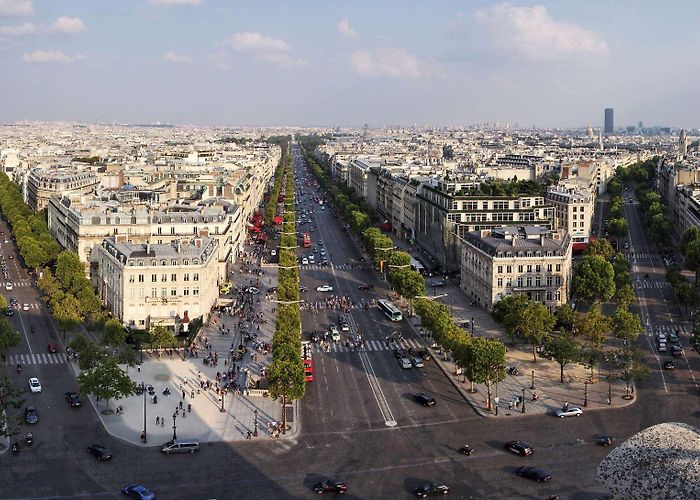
(312, 259)
(8, 286)
(417, 362)
(329, 486)
(431, 489)
(252, 290)
(424, 399)
(572, 411)
(304, 261)
(534, 473)
(673, 338)
(662, 347)
(316, 336)
(366, 287)
(99, 452)
(519, 448)
(335, 336)
(405, 363)
(669, 365)
(25, 307)
(324, 288)
(31, 416)
(302, 289)
(627, 245)
(419, 353)
(273, 253)
(51, 348)
(138, 491)
(677, 351)
(438, 283)
(399, 353)
(34, 384)
(73, 399)
(320, 242)
(661, 337)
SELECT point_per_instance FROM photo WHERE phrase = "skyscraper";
(609, 126)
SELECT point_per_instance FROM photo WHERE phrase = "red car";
(52, 348)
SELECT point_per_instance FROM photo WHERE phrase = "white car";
(405, 363)
(335, 336)
(25, 307)
(324, 288)
(662, 347)
(304, 261)
(573, 411)
(8, 286)
(273, 252)
(253, 290)
(34, 384)
(312, 259)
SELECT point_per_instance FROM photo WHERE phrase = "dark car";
(424, 399)
(438, 283)
(366, 287)
(73, 399)
(419, 353)
(316, 336)
(302, 289)
(52, 348)
(329, 486)
(430, 489)
(138, 491)
(9, 312)
(669, 365)
(677, 351)
(30, 415)
(99, 452)
(534, 473)
(519, 448)
(399, 353)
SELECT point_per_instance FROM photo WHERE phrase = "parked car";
(99, 452)
(431, 489)
(424, 399)
(438, 283)
(534, 473)
(572, 411)
(673, 338)
(31, 416)
(399, 353)
(25, 307)
(138, 491)
(662, 347)
(519, 448)
(329, 486)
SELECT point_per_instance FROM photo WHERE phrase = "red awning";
(579, 246)
(277, 220)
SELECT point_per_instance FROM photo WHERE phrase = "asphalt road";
(343, 432)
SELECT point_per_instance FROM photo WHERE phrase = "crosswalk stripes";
(650, 284)
(371, 345)
(642, 256)
(338, 267)
(47, 358)
(667, 328)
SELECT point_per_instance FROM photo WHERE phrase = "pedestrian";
(181, 404)
(162, 422)
(157, 420)
(184, 381)
(566, 405)
(189, 407)
(192, 394)
(248, 435)
(183, 394)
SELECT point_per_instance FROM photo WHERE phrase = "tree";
(113, 333)
(465, 354)
(590, 356)
(106, 380)
(566, 316)
(89, 355)
(626, 325)
(563, 349)
(601, 247)
(624, 295)
(66, 310)
(48, 283)
(508, 311)
(617, 227)
(536, 324)
(68, 269)
(489, 366)
(689, 235)
(593, 325)
(286, 377)
(686, 294)
(160, 336)
(633, 369)
(692, 258)
(9, 337)
(9, 400)
(594, 279)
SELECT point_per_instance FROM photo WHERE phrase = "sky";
(347, 63)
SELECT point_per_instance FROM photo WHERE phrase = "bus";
(307, 240)
(417, 266)
(389, 310)
(307, 360)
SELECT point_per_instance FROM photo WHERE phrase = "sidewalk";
(205, 421)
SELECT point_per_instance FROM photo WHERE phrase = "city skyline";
(209, 62)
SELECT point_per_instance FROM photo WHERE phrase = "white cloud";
(344, 28)
(250, 41)
(16, 8)
(23, 29)
(49, 56)
(532, 32)
(68, 25)
(391, 62)
(175, 2)
(176, 58)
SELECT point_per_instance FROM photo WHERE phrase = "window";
(132, 278)
(549, 281)
(538, 280)
(500, 282)
(195, 291)
(558, 280)
(186, 277)
(549, 268)
(509, 269)
(520, 268)
(520, 282)
(558, 296)
(141, 293)
(173, 262)
(195, 277)
(185, 262)
(163, 262)
(172, 230)
(509, 282)
(549, 295)
(160, 230)
(186, 291)
(529, 268)
(173, 292)
(528, 280)
(164, 277)
(154, 292)
(141, 278)
(538, 297)
(154, 263)
(154, 278)
(164, 292)
(538, 268)
(500, 269)
(558, 268)
(140, 263)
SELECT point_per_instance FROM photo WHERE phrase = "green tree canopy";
(106, 380)
(563, 349)
(594, 279)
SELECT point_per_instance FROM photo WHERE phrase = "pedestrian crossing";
(667, 328)
(36, 359)
(650, 284)
(641, 256)
(312, 267)
(371, 345)
(16, 283)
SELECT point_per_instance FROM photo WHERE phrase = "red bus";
(308, 361)
(307, 240)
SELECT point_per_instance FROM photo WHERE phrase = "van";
(180, 446)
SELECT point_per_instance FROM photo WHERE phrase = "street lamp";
(523, 400)
(532, 386)
(174, 427)
(255, 422)
(222, 409)
(143, 388)
(585, 393)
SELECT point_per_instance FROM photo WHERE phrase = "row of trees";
(10, 396)
(277, 184)
(35, 244)
(286, 371)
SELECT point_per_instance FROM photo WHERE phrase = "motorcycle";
(29, 439)
(19, 367)
(604, 440)
(15, 447)
(466, 450)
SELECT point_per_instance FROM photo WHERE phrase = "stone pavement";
(205, 421)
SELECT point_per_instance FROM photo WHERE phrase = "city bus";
(307, 240)
(307, 360)
(389, 310)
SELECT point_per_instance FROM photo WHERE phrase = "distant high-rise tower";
(641, 124)
(683, 143)
(609, 125)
